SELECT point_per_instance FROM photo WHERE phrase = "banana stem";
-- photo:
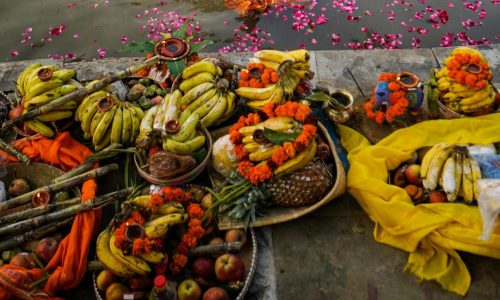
(79, 93)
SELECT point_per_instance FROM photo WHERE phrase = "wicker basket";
(277, 215)
(450, 114)
(248, 256)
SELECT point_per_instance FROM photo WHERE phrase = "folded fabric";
(432, 233)
(69, 264)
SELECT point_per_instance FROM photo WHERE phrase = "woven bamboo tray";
(277, 215)
(450, 114)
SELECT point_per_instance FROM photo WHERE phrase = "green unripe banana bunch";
(106, 119)
(39, 85)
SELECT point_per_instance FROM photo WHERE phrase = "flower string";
(457, 67)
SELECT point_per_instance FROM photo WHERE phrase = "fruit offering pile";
(39, 85)
(273, 76)
(164, 234)
(463, 84)
(144, 92)
(447, 173)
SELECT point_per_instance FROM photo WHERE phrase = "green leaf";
(182, 32)
(176, 67)
(278, 137)
(195, 48)
(319, 96)
(165, 35)
(144, 47)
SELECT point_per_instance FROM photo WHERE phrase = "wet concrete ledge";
(331, 253)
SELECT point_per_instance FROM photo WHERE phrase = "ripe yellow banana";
(42, 87)
(197, 79)
(159, 227)
(442, 73)
(277, 97)
(153, 257)
(215, 113)
(146, 128)
(277, 124)
(170, 208)
(116, 126)
(301, 66)
(429, 155)
(268, 63)
(50, 95)
(32, 77)
(263, 154)
(140, 201)
(21, 80)
(172, 112)
(450, 97)
(105, 256)
(39, 127)
(298, 162)
(206, 107)
(70, 105)
(476, 175)
(96, 120)
(134, 263)
(85, 102)
(136, 122)
(104, 125)
(199, 67)
(256, 93)
(487, 101)
(194, 105)
(301, 55)
(431, 180)
(458, 177)
(231, 104)
(467, 181)
(195, 92)
(126, 126)
(55, 115)
(63, 74)
(458, 88)
(253, 147)
(187, 128)
(187, 147)
(273, 55)
(448, 176)
(477, 97)
(247, 139)
(160, 114)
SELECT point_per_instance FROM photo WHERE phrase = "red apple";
(216, 241)
(140, 283)
(189, 290)
(23, 260)
(105, 279)
(412, 174)
(46, 249)
(236, 235)
(18, 187)
(229, 267)
(399, 178)
(215, 293)
(203, 267)
(437, 197)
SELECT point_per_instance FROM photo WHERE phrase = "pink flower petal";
(14, 53)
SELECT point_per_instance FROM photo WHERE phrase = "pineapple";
(303, 187)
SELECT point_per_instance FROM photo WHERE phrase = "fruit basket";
(143, 168)
(275, 215)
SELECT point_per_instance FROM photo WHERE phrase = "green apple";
(189, 290)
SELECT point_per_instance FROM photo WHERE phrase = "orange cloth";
(243, 7)
(69, 264)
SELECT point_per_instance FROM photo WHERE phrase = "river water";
(89, 29)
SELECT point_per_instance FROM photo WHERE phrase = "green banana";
(88, 114)
(215, 113)
(195, 92)
(21, 80)
(138, 110)
(42, 87)
(116, 127)
(126, 126)
(50, 95)
(199, 67)
(55, 115)
(103, 125)
(105, 141)
(204, 109)
(193, 106)
(159, 227)
(187, 147)
(197, 79)
(187, 128)
(64, 74)
(39, 127)
(70, 105)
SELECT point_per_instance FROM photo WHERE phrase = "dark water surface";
(91, 28)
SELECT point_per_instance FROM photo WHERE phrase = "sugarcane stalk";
(80, 93)
(16, 209)
(100, 201)
(14, 152)
(88, 163)
(24, 198)
(36, 211)
(215, 249)
(32, 235)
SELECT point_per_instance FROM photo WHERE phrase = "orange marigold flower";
(481, 84)
(178, 262)
(240, 152)
(274, 77)
(470, 79)
(268, 71)
(244, 168)
(260, 66)
(195, 211)
(244, 83)
(137, 217)
(379, 117)
(268, 109)
(394, 86)
(154, 202)
(453, 64)
(279, 156)
(474, 59)
(244, 74)
(302, 113)
(189, 240)
(289, 149)
(387, 77)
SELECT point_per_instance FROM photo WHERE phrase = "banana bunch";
(126, 265)
(261, 151)
(452, 168)
(292, 67)
(39, 85)
(465, 50)
(106, 119)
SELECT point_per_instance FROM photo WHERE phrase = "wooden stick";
(215, 249)
(103, 200)
(32, 235)
(38, 210)
(80, 93)
(24, 198)
(16, 209)
(14, 152)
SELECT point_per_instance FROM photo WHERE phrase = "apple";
(203, 267)
(116, 291)
(23, 260)
(412, 174)
(236, 235)
(215, 293)
(18, 187)
(30, 246)
(416, 193)
(104, 279)
(189, 290)
(140, 283)
(229, 267)
(437, 197)
(216, 241)
(399, 178)
(46, 249)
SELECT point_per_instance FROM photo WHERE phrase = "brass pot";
(340, 108)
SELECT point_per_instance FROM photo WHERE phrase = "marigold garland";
(398, 100)
(264, 170)
(267, 76)
(457, 67)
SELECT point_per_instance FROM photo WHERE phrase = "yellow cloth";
(430, 232)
